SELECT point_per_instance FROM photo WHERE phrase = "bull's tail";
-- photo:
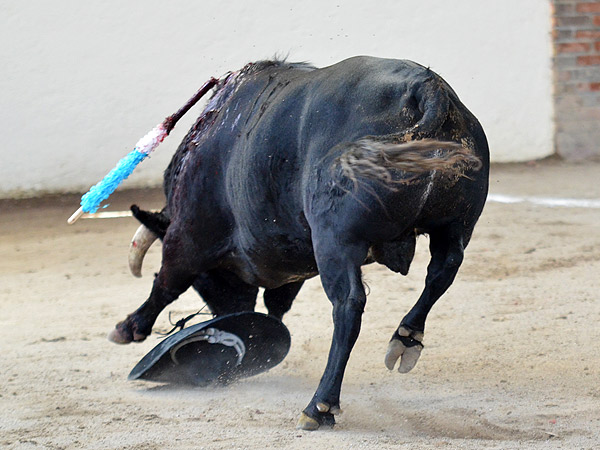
(381, 159)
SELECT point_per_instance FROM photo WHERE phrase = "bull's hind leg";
(446, 247)
(175, 277)
(339, 267)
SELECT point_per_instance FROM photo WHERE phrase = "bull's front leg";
(174, 278)
(138, 325)
(339, 267)
(225, 293)
(279, 300)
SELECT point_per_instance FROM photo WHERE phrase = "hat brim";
(187, 357)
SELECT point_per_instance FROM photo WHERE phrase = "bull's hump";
(373, 66)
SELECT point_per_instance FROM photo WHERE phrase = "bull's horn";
(141, 242)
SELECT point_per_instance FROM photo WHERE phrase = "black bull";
(293, 171)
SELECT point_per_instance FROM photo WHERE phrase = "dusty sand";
(512, 356)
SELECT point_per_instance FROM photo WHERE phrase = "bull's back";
(287, 123)
(272, 144)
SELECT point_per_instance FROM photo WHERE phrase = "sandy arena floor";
(512, 356)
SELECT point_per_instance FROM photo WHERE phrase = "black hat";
(220, 350)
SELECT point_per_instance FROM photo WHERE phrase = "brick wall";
(576, 33)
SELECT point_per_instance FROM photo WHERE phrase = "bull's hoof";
(405, 345)
(307, 423)
(117, 337)
(124, 333)
(322, 416)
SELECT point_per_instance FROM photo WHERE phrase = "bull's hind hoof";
(308, 423)
(405, 345)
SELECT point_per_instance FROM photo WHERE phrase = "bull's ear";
(157, 222)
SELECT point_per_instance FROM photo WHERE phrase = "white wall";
(81, 81)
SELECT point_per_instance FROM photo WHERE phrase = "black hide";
(257, 196)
